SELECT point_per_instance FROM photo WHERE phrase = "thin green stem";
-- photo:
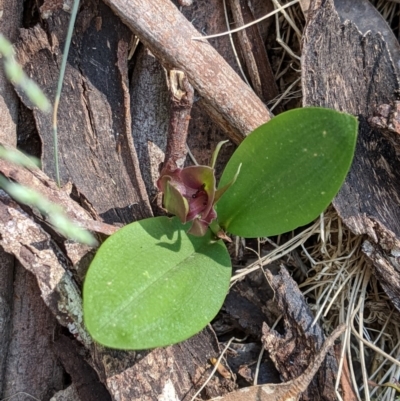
(59, 85)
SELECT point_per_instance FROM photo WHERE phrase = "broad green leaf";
(292, 167)
(150, 284)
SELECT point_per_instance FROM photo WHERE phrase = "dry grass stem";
(233, 44)
(217, 35)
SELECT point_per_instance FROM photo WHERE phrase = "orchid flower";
(190, 193)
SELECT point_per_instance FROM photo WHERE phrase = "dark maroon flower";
(190, 193)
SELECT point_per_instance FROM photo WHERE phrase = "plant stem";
(181, 102)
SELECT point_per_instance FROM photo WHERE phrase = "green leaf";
(292, 167)
(150, 285)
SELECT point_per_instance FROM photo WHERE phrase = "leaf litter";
(333, 273)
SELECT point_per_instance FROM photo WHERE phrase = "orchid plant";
(159, 281)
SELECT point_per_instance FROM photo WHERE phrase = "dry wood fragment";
(95, 143)
(33, 328)
(35, 178)
(7, 263)
(349, 67)
(150, 115)
(294, 351)
(40, 255)
(165, 31)
(289, 391)
(254, 53)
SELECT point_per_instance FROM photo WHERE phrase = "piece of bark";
(293, 351)
(86, 381)
(40, 255)
(10, 22)
(171, 373)
(150, 115)
(165, 31)
(95, 144)
(367, 18)
(291, 390)
(31, 365)
(40, 182)
(347, 70)
(6, 304)
(254, 52)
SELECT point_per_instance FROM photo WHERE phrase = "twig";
(168, 34)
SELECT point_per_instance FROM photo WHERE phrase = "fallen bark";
(302, 340)
(94, 128)
(10, 21)
(348, 67)
(254, 52)
(289, 391)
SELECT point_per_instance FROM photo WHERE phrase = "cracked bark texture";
(10, 21)
(95, 145)
(352, 69)
(26, 325)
